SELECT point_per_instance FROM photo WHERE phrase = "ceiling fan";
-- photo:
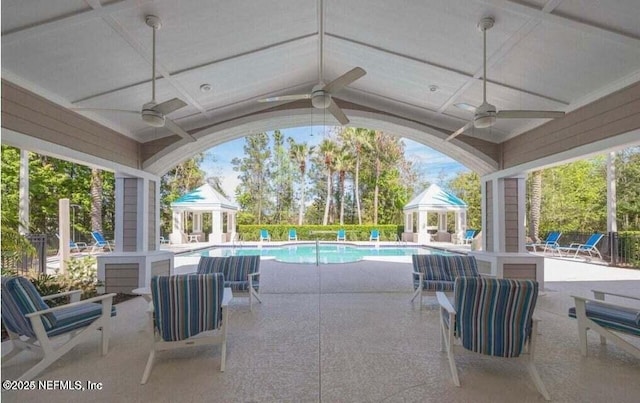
(321, 94)
(152, 113)
(486, 114)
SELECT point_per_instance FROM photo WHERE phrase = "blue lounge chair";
(293, 235)
(264, 235)
(375, 235)
(468, 236)
(100, 242)
(342, 235)
(587, 247)
(550, 243)
(77, 246)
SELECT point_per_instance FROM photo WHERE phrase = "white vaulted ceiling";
(555, 55)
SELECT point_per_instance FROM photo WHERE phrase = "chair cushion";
(623, 319)
(438, 285)
(236, 270)
(444, 268)
(493, 316)
(77, 317)
(23, 298)
(186, 305)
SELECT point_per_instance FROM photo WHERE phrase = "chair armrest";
(227, 297)
(599, 302)
(445, 303)
(597, 294)
(74, 295)
(253, 274)
(71, 305)
(576, 245)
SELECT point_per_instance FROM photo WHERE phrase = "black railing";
(24, 263)
(619, 249)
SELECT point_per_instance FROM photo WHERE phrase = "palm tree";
(536, 201)
(343, 163)
(356, 141)
(299, 154)
(327, 151)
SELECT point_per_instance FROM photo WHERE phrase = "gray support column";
(504, 202)
(137, 214)
(23, 204)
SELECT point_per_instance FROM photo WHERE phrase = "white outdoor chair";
(607, 319)
(188, 310)
(492, 317)
(33, 326)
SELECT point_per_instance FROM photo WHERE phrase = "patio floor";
(347, 333)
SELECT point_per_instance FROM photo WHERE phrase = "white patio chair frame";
(447, 344)
(211, 337)
(44, 345)
(585, 323)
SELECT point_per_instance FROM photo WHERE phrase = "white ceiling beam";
(449, 69)
(64, 22)
(207, 64)
(544, 14)
(506, 47)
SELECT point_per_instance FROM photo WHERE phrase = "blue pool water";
(327, 253)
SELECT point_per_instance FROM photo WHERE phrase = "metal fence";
(619, 249)
(25, 263)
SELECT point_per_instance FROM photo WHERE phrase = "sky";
(431, 165)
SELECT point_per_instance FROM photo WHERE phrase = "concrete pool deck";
(348, 333)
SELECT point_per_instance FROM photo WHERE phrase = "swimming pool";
(326, 253)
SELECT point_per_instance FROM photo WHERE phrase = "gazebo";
(433, 200)
(202, 200)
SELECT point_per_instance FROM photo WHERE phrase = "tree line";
(352, 176)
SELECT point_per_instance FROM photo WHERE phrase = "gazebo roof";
(435, 198)
(204, 198)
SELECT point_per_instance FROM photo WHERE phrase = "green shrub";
(280, 232)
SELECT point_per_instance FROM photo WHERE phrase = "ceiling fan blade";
(335, 110)
(171, 125)
(281, 98)
(170, 106)
(465, 106)
(105, 110)
(344, 80)
(530, 114)
(459, 131)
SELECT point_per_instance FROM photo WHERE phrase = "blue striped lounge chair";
(264, 235)
(433, 273)
(607, 319)
(241, 273)
(375, 235)
(33, 326)
(293, 235)
(493, 317)
(186, 306)
(342, 235)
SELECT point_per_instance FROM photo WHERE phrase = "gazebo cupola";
(433, 200)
